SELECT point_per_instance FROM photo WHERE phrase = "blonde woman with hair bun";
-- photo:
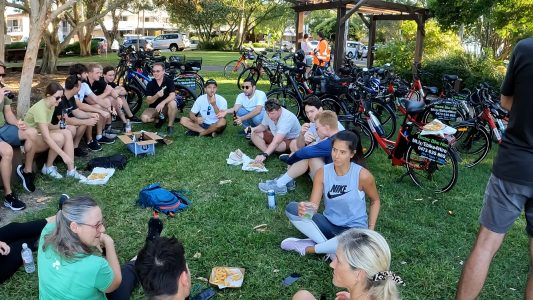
(362, 266)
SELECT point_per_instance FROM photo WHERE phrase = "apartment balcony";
(14, 29)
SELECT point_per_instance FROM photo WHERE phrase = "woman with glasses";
(362, 266)
(70, 261)
(57, 140)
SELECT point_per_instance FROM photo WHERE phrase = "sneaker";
(170, 130)
(159, 123)
(74, 174)
(79, 152)
(110, 130)
(271, 185)
(284, 157)
(155, 226)
(248, 132)
(135, 120)
(110, 136)
(297, 245)
(191, 133)
(291, 186)
(51, 171)
(62, 199)
(13, 202)
(26, 178)
(94, 146)
(106, 140)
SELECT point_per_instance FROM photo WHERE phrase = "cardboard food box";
(227, 277)
(147, 146)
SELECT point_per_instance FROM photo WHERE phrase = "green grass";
(428, 242)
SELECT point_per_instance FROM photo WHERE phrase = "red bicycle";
(430, 160)
(234, 68)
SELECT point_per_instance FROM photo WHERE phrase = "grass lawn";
(430, 235)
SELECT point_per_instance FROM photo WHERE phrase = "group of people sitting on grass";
(76, 259)
(322, 148)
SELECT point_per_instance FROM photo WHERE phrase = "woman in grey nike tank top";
(344, 186)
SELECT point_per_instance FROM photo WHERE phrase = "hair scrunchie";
(380, 276)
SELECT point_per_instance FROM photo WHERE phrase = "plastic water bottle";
(128, 128)
(27, 258)
(271, 198)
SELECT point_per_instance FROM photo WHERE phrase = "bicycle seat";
(431, 90)
(447, 77)
(413, 107)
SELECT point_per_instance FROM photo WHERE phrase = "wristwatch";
(264, 154)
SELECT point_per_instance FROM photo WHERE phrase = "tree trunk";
(50, 57)
(2, 31)
(240, 33)
(26, 77)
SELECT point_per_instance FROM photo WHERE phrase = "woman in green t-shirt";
(52, 138)
(69, 262)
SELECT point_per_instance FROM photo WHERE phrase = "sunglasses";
(209, 110)
(245, 87)
(57, 98)
(2, 74)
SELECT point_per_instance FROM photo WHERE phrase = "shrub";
(215, 44)
(260, 45)
(74, 48)
(17, 45)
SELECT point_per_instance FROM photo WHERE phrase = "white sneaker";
(51, 171)
(74, 174)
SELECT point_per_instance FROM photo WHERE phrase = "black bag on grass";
(117, 161)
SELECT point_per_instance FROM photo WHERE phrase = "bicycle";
(264, 66)
(235, 67)
(289, 96)
(429, 160)
(185, 73)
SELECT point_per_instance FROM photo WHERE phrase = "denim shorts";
(503, 203)
(10, 134)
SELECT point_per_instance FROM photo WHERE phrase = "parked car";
(137, 43)
(101, 39)
(194, 45)
(314, 44)
(150, 38)
(287, 46)
(352, 48)
(363, 52)
(172, 41)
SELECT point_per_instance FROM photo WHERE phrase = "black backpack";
(117, 161)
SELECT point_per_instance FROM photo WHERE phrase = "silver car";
(172, 41)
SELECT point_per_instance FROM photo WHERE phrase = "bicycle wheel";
(287, 99)
(330, 103)
(428, 174)
(199, 84)
(386, 117)
(185, 98)
(368, 143)
(428, 116)
(248, 72)
(134, 98)
(233, 69)
(473, 143)
(413, 96)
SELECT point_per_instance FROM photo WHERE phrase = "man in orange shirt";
(322, 52)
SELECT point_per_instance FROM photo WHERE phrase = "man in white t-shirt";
(249, 105)
(278, 128)
(308, 133)
(203, 119)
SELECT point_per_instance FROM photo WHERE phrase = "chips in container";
(227, 277)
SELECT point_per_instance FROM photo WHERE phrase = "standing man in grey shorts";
(13, 133)
(510, 187)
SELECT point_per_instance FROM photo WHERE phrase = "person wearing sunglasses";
(70, 262)
(204, 117)
(57, 141)
(249, 105)
(14, 133)
(275, 133)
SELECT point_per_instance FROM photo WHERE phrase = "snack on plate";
(255, 164)
(434, 125)
(226, 277)
(236, 155)
(97, 176)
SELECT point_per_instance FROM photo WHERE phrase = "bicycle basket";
(187, 80)
(337, 86)
(194, 64)
(176, 61)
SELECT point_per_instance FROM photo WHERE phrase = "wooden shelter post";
(300, 18)
(371, 41)
(419, 47)
(340, 38)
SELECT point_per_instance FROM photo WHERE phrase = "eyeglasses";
(97, 227)
(2, 74)
(245, 87)
(57, 98)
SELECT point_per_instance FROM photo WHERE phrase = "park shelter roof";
(369, 11)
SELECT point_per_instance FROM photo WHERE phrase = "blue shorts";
(10, 134)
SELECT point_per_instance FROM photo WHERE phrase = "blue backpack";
(163, 200)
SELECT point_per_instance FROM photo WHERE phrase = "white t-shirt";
(85, 90)
(312, 130)
(258, 98)
(206, 110)
(287, 124)
(307, 47)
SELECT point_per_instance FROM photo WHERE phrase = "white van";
(352, 47)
